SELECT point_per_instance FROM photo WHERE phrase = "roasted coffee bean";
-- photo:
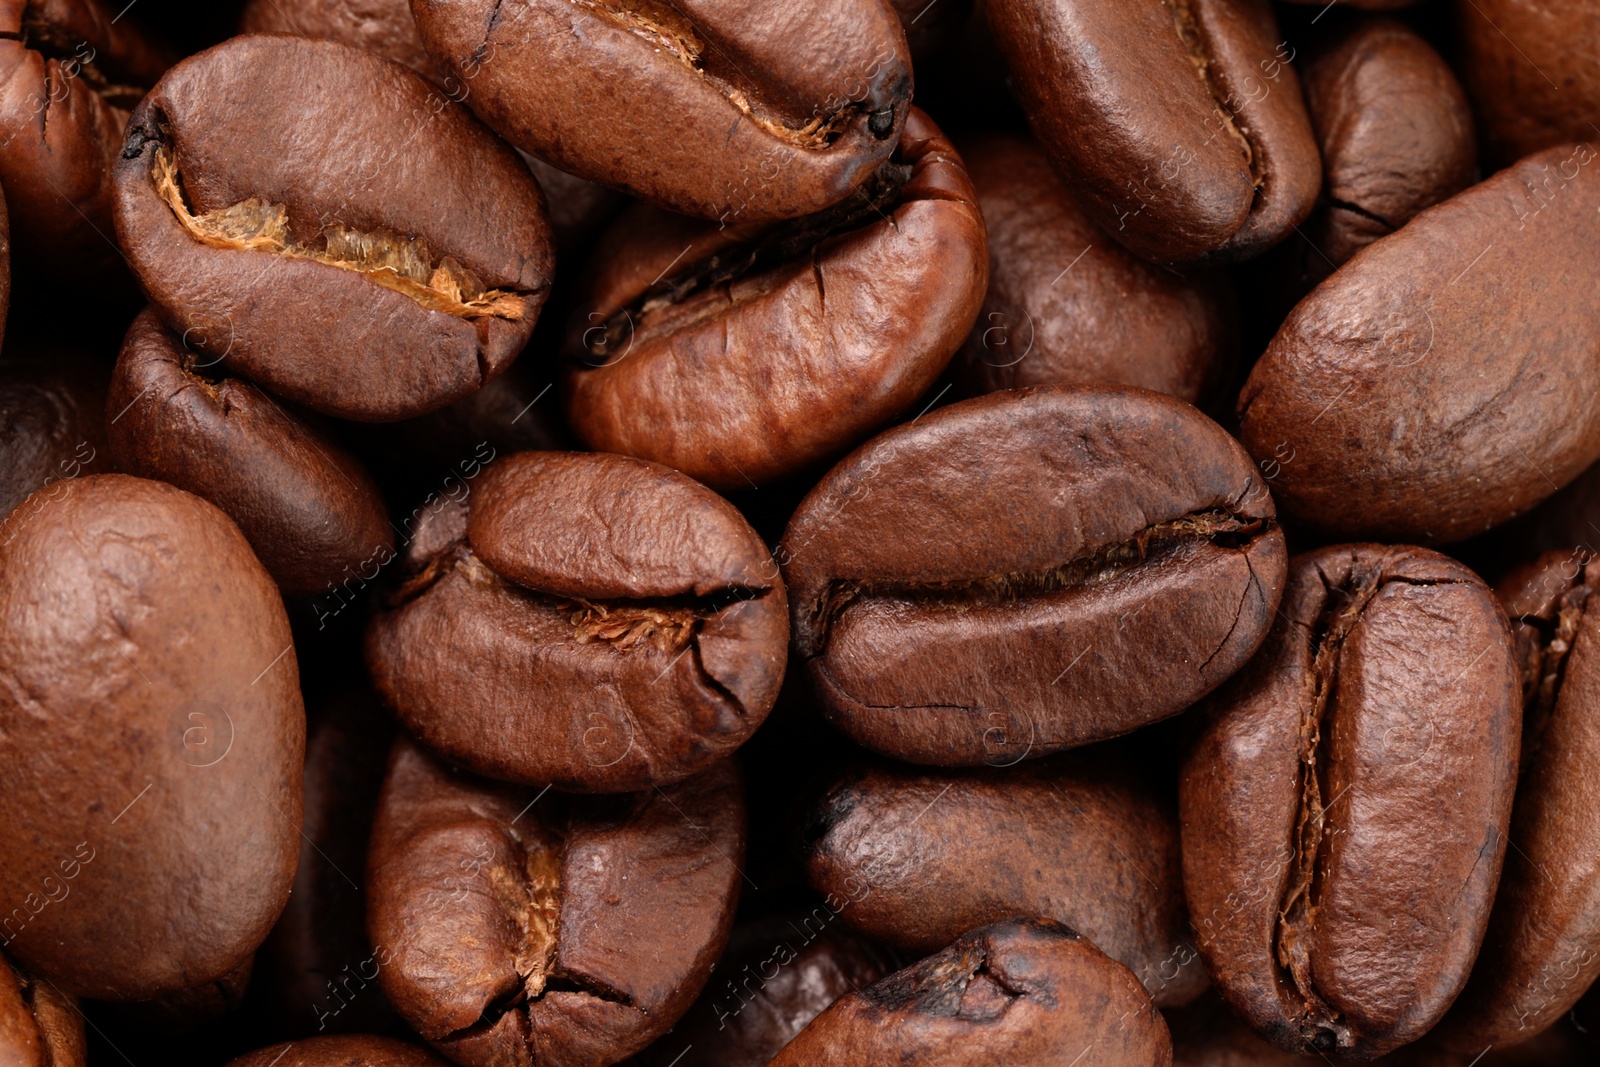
(1069, 306)
(1395, 132)
(916, 858)
(335, 229)
(776, 976)
(52, 426)
(382, 27)
(308, 507)
(1030, 571)
(1014, 992)
(1528, 66)
(523, 927)
(594, 622)
(151, 742)
(1440, 382)
(354, 1051)
(739, 355)
(1179, 124)
(717, 108)
(1344, 810)
(317, 969)
(1543, 946)
(69, 72)
(39, 1026)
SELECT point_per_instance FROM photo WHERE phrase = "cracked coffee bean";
(337, 231)
(917, 858)
(588, 621)
(1396, 137)
(741, 355)
(1015, 992)
(716, 108)
(1542, 949)
(310, 510)
(52, 426)
(776, 976)
(1529, 67)
(39, 1026)
(1179, 123)
(1440, 382)
(1344, 810)
(1030, 571)
(70, 70)
(526, 927)
(354, 1051)
(151, 743)
(1068, 306)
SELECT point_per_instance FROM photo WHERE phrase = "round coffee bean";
(916, 858)
(354, 1051)
(71, 70)
(1542, 949)
(740, 355)
(590, 621)
(39, 1026)
(310, 510)
(1069, 306)
(728, 111)
(1030, 571)
(1179, 125)
(331, 226)
(1344, 810)
(151, 742)
(1439, 383)
(523, 927)
(1015, 992)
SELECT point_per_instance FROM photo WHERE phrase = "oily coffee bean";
(1179, 125)
(1439, 383)
(317, 968)
(383, 27)
(39, 1026)
(916, 858)
(308, 507)
(353, 1051)
(331, 226)
(1528, 66)
(588, 621)
(1068, 306)
(52, 427)
(1542, 949)
(776, 976)
(69, 72)
(1015, 992)
(151, 742)
(716, 108)
(1395, 132)
(1030, 571)
(743, 354)
(523, 927)
(1344, 810)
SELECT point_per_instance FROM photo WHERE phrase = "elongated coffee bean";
(151, 743)
(520, 927)
(1180, 125)
(743, 354)
(1439, 383)
(1030, 571)
(719, 108)
(332, 226)
(1543, 946)
(310, 510)
(590, 621)
(1344, 811)
(917, 858)
(1015, 992)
